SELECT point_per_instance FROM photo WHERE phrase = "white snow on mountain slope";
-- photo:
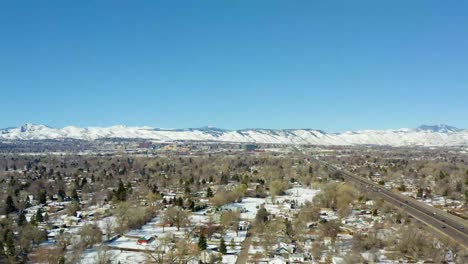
(440, 135)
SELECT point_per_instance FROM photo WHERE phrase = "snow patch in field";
(299, 194)
(248, 207)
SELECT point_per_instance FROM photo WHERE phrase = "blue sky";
(332, 65)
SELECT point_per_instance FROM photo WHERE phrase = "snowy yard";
(123, 248)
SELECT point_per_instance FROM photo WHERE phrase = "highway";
(440, 221)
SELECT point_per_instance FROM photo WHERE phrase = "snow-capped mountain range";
(438, 135)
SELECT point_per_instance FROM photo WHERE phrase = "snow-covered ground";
(122, 249)
(229, 259)
(248, 207)
(200, 217)
(116, 256)
(299, 194)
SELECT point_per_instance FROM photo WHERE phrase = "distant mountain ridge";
(438, 128)
(425, 135)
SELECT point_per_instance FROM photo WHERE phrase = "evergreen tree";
(129, 187)
(9, 205)
(10, 243)
(42, 197)
(209, 192)
(375, 212)
(288, 227)
(74, 195)
(39, 217)
(121, 193)
(202, 242)
(84, 182)
(154, 189)
(21, 218)
(442, 175)
(61, 194)
(420, 192)
(224, 179)
(187, 190)
(222, 246)
(192, 206)
(180, 202)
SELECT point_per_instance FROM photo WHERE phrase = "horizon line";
(227, 129)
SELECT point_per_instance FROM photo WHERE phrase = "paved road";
(440, 221)
(244, 254)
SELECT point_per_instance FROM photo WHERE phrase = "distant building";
(250, 147)
(244, 226)
(144, 145)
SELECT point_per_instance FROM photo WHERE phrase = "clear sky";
(331, 65)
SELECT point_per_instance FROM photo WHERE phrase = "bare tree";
(231, 219)
(103, 255)
(90, 235)
(108, 228)
(176, 216)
